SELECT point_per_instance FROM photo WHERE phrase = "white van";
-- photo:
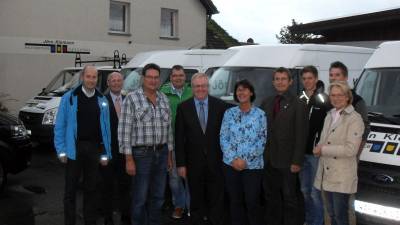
(378, 197)
(39, 113)
(193, 61)
(257, 63)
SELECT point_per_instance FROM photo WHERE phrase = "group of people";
(271, 164)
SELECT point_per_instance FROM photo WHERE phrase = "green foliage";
(286, 36)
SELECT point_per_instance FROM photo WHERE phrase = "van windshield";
(222, 82)
(132, 77)
(64, 81)
(68, 79)
(380, 89)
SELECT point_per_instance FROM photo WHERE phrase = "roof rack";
(117, 61)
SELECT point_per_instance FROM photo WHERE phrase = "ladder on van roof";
(116, 60)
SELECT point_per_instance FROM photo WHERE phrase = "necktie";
(277, 105)
(117, 106)
(202, 117)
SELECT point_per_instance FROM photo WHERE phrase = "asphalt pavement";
(34, 196)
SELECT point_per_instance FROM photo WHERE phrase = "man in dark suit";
(284, 152)
(115, 180)
(198, 152)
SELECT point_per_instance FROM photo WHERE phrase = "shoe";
(178, 213)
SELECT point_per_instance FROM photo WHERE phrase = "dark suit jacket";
(195, 149)
(113, 126)
(287, 133)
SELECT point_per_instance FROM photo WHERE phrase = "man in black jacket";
(115, 181)
(284, 152)
(198, 152)
(339, 72)
(317, 107)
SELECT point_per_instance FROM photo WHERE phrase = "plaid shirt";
(143, 124)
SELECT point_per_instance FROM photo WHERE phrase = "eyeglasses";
(200, 86)
(152, 78)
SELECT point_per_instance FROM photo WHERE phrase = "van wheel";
(3, 176)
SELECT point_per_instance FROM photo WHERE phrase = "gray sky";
(262, 19)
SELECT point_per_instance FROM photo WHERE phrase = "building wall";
(27, 65)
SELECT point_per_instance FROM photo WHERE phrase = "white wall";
(81, 25)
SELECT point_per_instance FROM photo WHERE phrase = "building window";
(119, 17)
(169, 23)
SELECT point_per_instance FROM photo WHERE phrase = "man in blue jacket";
(82, 141)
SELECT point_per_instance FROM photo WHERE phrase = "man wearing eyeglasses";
(145, 137)
(198, 152)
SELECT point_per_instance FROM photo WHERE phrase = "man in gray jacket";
(284, 152)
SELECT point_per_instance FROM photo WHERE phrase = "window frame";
(127, 6)
(174, 22)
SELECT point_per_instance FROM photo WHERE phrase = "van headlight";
(18, 130)
(49, 117)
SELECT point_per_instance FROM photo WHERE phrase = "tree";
(286, 36)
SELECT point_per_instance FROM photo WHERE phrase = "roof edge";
(210, 7)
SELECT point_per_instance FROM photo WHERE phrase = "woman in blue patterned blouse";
(243, 136)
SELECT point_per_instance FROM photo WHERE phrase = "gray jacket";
(287, 132)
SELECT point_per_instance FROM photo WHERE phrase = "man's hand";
(63, 159)
(170, 161)
(239, 164)
(317, 150)
(182, 171)
(130, 165)
(295, 168)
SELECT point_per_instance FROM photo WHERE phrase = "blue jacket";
(65, 129)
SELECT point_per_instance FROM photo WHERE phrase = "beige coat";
(337, 169)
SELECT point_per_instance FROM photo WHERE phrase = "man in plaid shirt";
(145, 137)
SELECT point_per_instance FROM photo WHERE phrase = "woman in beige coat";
(337, 149)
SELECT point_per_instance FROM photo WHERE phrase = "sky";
(263, 19)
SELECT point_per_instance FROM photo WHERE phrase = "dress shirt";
(205, 106)
(114, 97)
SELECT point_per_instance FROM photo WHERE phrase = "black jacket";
(113, 125)
(193, 148)
(318, 106)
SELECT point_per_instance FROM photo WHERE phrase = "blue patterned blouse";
(243, 135)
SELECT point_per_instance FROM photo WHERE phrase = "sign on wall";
(57, 47)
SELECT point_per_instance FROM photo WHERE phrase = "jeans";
(314, 207)
(338, 207)
(244, 190)
(179, 188)
(148, 185)
(86, 162)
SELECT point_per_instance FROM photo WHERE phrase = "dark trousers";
(244, 192)
(206, 188)
(86, 163)
(283, 197)
(115, 187)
